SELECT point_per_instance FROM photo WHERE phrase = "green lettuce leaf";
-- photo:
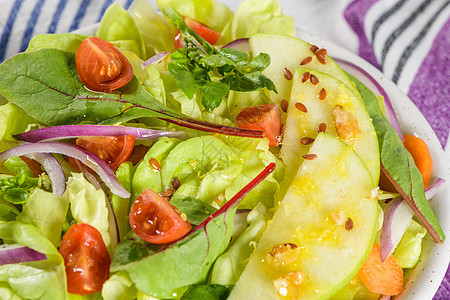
(119, 28)
(121, 206)
(408, 250)
(211, 13)
(207, 292)
(229, 266)
(155, 32)
(36, 279)
(47, 212)
(255, 16)
(13, 120)
(88, 205)
(63, 41)
(119, 287)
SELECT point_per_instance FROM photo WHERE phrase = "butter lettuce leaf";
(408, 250)
(63, 41)
(35, 279)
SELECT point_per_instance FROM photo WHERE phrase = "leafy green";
(88, 205)
(398, 164)
(207, 292)
(121, 206)
(211, 13)
(63, 41)
(195, 210)
(17, 189)
(200, 66)
(154, 30)
(119, 28)
(255, 16)
(47, 212)
(229, 266)
(13, 120)
(408, 250)
(182, 264)
(119, 287)
(44, 279)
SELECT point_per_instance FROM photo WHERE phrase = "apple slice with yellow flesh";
(321, 232)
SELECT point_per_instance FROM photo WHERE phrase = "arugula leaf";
(199, 65)
(398, 165)
(46, 85)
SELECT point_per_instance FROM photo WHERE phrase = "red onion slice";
(74, 131)
(239, 44)
(434, 188)
(91, 160)
(397, 217)
(14, 254)
(390, 109)
(54, 170)
(155, 59)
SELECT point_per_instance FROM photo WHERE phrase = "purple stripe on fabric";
(355, 14)
(443, 293)
(432, 83)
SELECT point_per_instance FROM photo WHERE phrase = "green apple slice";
(287, 52)
(332, 103)
(321, 233)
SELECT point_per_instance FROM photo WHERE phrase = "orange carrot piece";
(421, 155)
(381, 277)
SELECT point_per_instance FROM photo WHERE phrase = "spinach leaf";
(207, 292)
(198, 65)
(195, 210)
(398, 165)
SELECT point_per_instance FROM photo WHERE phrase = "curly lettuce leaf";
(255, 16)
(47, 212)
(119, 28)
(88, 205)
(35, 279)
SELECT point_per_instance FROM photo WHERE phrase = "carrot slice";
(381, 277)
(421, 155)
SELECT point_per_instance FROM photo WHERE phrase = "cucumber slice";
(313, 216)
(340, 101)
(288, 52)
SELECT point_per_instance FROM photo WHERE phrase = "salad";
(200, 153)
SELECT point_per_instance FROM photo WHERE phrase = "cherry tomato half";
(101, 66)
(155, 220)
(114, 150)
(265, 117)
(86, 259)
(211, 36)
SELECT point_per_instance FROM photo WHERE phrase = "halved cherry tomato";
(265, 117)
(86, 259)
(157, 221)
(101, 66)
(114, 150)
(211, 36)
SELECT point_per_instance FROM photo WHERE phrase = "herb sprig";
(200, 66)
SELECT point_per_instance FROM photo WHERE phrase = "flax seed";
(322, 59)
(310, 156)
(322, 94)
(322, 127)
(313, 48)
(306, 60)
(284, 105)
(306, 140)
(301, 107)
(287, 74)
(321, 51)
(175, 183)
(349, 224)
(314, 80)
(155, 164)
(305, 76)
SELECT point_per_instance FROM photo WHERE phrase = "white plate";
(423, 281)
